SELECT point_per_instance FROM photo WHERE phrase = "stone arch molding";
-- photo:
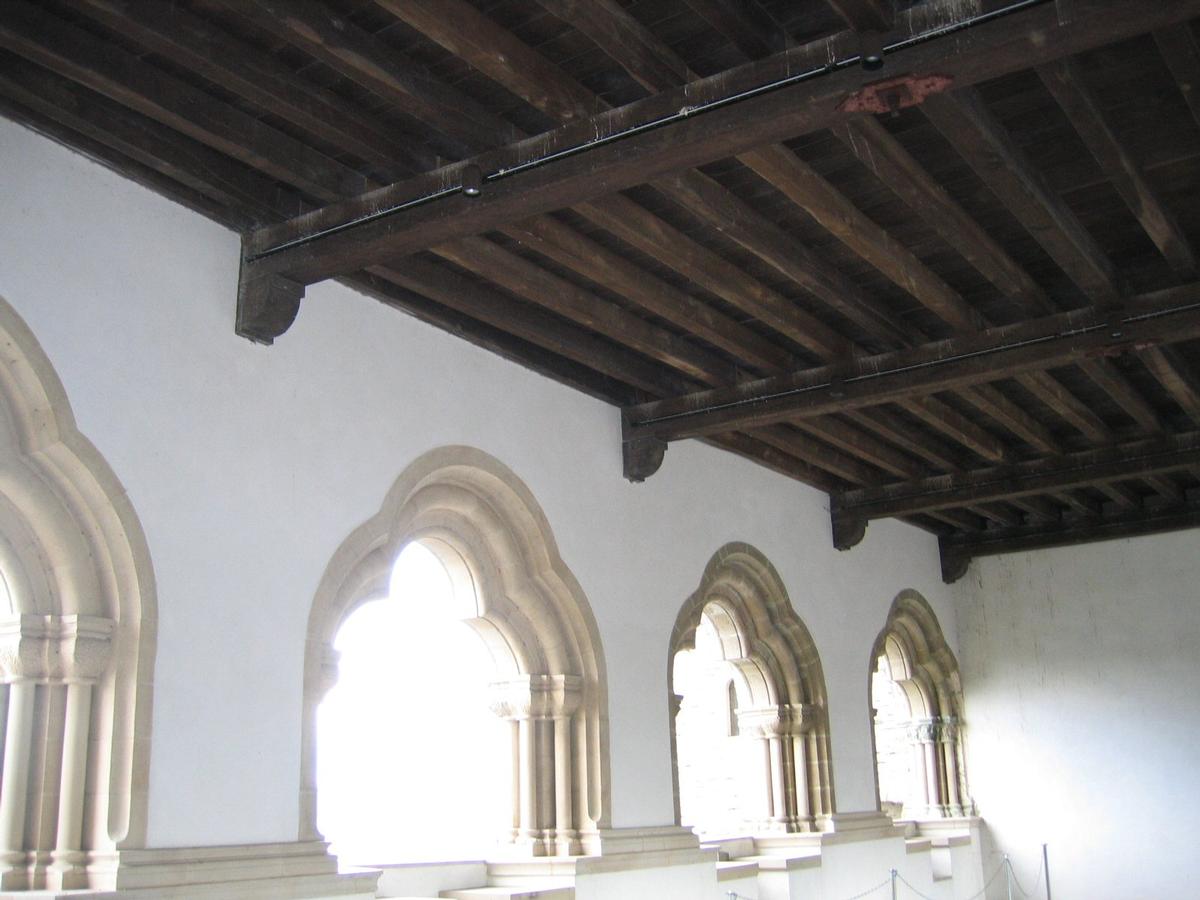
(924, 667)
(77, 637)
(485, 525)
(764, 639)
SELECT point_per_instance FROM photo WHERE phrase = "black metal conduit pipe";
(683, 113)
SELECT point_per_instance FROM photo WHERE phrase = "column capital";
(777, 721)
(54, 649)
(536, 696)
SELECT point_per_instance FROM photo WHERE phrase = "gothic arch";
(77, 638)
(485, 525)
(922, 664)
(780, 670)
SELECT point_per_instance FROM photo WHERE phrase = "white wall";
(249, 465)
(1082, 690)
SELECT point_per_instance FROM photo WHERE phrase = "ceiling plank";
(530, 281)
(1176, 375)
(780, 167)
(1066, 82)
(971, 128)
(1129, 398)
(1136, 459)
(121, 76)
(381, 69)
(746, 23)
(177, 34)
(887, 158)
(499, 54)
(709, 201)
(968, 359)
(988, 399)
(643, 230)
(517, 187)
(865, 15)
(944, 418)
(139, 138)
(1182, 56)
(569, 248)
(958, 550)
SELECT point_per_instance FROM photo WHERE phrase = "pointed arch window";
(739, 626)
(916, 702)
(512, 589)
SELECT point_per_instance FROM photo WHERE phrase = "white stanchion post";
(1008, 874)
(1046, 868)
(893, 884)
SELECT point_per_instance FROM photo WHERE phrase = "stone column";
(782, 730)
(925, 734)
(319, 679)
(542, 707)
(50, 651)
(948, 742)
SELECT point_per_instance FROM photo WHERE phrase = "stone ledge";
(285, 871)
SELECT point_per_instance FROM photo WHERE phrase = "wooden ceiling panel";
(804, 250)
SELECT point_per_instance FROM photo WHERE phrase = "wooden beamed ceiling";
(960, 289)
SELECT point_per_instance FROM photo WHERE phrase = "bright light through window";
(411, 762)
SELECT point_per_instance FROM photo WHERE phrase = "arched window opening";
(544, 667)
(77, 627)
(893, 743)
(916, 698)
(408, 733)
(739, 627)
(722, 785)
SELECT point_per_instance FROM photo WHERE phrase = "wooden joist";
(548, 172)
(1135, 459)
(978, 358)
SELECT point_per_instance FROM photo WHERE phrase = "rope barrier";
(894, 876)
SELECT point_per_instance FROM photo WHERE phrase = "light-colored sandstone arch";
(924, 667)
(486, 527)
(77, 636)
(768, 645)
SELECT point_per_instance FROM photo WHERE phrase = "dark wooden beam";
(833, 211)
(173, 32)
(940, 416)
(1176, 375)
(887, 158)
(604, 267)
(966, 360)
(1070, 408)
(989, 400)
(641, 229)
(338, 42)
(746, 23)
(866, 15)
(958, 550)
(966, 122)
(1137, 459)
(115, 73)
(624, 38)
(1178, 48)
(1066, 82)
(1129, 398)
(235, 187)
(498, 53)
(711, 203)
(519, 186)
(530, 281)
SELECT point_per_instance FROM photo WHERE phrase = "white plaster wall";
(1081, 679)
(249, 465)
